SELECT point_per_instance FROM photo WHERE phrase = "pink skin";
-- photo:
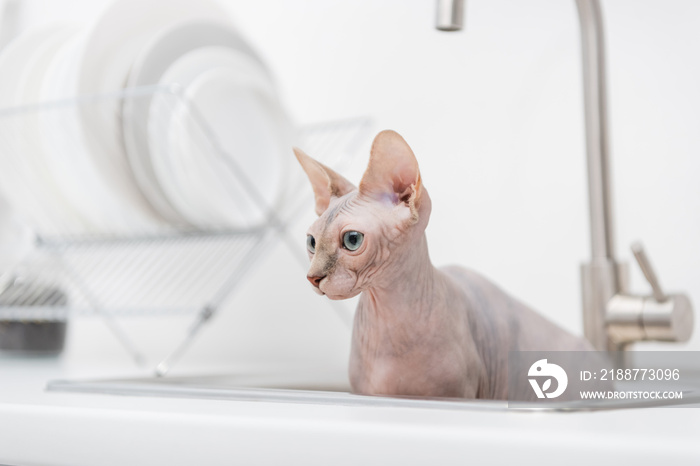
(418, 330)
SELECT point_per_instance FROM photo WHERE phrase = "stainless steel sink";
(326, 389)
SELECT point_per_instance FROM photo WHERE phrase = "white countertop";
(39, 427)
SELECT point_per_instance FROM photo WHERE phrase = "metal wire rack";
(142, 268)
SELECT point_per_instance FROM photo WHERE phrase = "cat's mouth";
(336, 293)
(338, 296)
(320, 292)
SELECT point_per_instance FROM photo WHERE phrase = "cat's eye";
(311, 244)
(352, 240)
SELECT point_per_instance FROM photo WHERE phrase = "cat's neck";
(413, 289)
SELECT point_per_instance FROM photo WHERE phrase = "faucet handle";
(648, 271)
(658, 317)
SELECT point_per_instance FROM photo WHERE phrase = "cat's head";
(362, 236)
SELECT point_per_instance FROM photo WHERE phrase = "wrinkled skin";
(418, 330)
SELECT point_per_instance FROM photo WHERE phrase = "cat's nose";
(315, 280)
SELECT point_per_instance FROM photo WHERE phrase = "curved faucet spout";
(597, 139)
(450, 15)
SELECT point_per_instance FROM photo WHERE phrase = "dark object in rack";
(31, 336)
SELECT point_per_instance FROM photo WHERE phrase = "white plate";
(24, 178)
(69, 158)
(240, 116)
(16, 239)
(148, 69)
(169, 114)
(108, 53)
(67, 218)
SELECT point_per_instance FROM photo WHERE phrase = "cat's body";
(456, 347)
(418, 330)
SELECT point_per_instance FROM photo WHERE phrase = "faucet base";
(600, 281)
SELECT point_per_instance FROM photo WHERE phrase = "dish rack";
(163, 271)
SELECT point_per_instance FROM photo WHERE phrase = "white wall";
(494, 114)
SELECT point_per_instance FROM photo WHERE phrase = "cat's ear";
(393, 172)
(325, 182)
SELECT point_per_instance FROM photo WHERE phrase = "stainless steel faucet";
(612, 317)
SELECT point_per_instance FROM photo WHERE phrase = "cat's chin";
(340, 297)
